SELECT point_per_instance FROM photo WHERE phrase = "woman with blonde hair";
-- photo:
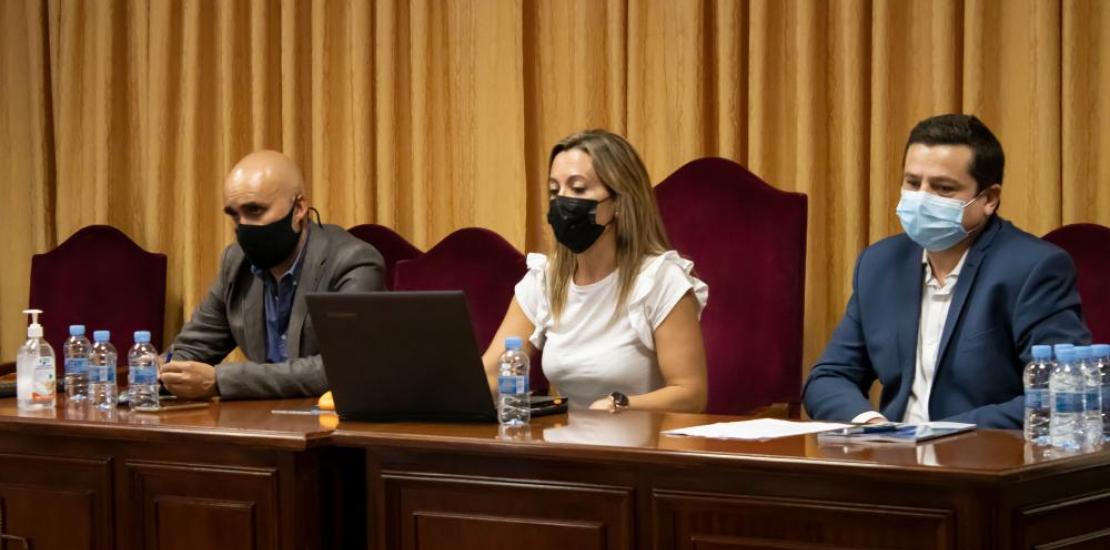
(614, 308)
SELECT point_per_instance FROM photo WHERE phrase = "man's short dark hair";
(987, 160)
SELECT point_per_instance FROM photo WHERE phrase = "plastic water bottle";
(142, 372)
(102, 371)
(1036, 395)
(1092, 398)
(1066, 396)
(1100, 356)
(512, 385)
(35, 384)
(76, 351)
(1056, 349)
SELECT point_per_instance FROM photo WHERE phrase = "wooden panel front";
(224, 523)
(189, 506)
(35, 514)
(55, 502)
(430, 512)
(1078, 523)
(717, 522)
(439, 530)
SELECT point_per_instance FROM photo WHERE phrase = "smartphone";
(171, 406)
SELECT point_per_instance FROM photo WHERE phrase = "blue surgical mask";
(932, 221)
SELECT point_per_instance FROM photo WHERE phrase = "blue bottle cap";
(76, 330)
(1042, 353)
(513, 343)
(101, 335)
(142, 336)
(1056, 348)
(1100, 350)
(1082, 353)
(1066, 355)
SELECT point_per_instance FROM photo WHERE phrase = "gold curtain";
(429, 116)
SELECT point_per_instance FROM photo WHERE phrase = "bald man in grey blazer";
(257, 301)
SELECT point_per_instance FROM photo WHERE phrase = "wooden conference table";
(235, 475)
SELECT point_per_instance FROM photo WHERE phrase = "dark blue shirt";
(278, 299)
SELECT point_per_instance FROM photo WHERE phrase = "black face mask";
(575, 222)
(268, 245)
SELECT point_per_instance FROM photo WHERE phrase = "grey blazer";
(233, 315)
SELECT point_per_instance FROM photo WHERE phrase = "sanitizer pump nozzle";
(34, 330)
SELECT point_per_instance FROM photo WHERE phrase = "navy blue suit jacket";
(1014, 290)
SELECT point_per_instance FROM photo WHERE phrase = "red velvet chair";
(1089, 247)
(101, 279)
(748, 243)
(392, 246)
(481, 264)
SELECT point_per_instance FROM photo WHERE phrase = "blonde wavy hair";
(639, 229)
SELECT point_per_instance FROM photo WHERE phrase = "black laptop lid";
(395, 356)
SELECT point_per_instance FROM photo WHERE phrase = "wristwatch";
(617, 401)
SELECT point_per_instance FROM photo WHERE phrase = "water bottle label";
(1106, 398)
(42, 383)
(1093, 396)
(1036, 398)
(100, 374)
(77, 365)
(144, 375)
(1069, 402)
(512, 385)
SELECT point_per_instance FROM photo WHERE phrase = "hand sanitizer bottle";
(35, 376)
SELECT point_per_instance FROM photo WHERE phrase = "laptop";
(401, 356)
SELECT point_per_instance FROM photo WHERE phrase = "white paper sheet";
(755, 430)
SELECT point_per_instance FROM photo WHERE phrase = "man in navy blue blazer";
(944, 314)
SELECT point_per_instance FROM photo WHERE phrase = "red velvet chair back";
(1089, 247)
(748, 243)
(481, 264)
(392, 246)
(101, 279)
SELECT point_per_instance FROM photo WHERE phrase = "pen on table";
(169, 357)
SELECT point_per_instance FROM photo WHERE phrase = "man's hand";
(189, 379)
(878, 420)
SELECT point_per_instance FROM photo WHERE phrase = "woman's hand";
(603, 404)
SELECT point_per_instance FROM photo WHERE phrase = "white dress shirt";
(936, 298)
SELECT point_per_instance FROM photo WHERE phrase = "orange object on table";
(326, 403)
